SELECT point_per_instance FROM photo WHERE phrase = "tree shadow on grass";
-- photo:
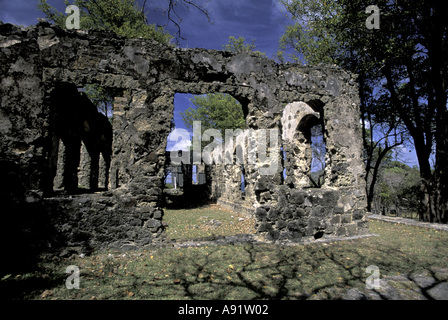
(255, 272)
(259, 272)
(244, 272)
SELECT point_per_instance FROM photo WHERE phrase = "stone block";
(336, 220)
(346, 218)
(273, 235)
(266, 196)
(261, 214)
(319, 211)
(297, 197)
(358, 214)
(293, 226)
(136, 222)
(158, 214)
(341, 231)
(280, 224)
(153, 225)
(264, 227)
(287, 213)
(338, 210)
(299, 213)
(352, 230)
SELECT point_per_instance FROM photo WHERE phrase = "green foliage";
(398, 187)
(101, 97)
(215, 111)
(238, 46)
(311, 37)
(169, 186)
(124, 17)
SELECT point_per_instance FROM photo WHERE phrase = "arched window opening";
(303, 149)
(82, 141)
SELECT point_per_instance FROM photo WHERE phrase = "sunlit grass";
(321, 270)
(206, 221)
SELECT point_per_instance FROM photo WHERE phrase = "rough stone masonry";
(45, 121)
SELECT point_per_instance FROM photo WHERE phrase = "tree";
(102, 97)
(310, 36)
(375, 152)
(215, 111)
(173, 15)
(406, 58)
(126, 17)
(398, 189)
(123, 17)
(238, 46)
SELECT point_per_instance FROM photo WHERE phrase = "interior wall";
(35, 60)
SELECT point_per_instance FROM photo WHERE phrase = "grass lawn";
(206, 221)
(236, 271)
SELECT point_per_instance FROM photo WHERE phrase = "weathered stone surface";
(44, 121)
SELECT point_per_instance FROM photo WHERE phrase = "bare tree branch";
(174, 17)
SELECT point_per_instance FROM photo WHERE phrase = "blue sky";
(261, 20)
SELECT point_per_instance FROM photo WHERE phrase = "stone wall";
(37, 60)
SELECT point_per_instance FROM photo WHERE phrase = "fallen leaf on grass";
(128, 293)
(46, 293)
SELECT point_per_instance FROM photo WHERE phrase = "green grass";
(245, 272)
(195, 223)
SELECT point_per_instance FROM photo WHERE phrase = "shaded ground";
(430, 284)
(412, 264)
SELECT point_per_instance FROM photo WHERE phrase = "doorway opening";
(205, 171)
(81, 142)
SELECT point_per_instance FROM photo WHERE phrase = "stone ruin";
(45, 123)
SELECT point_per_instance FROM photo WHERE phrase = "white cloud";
(182, 145)
(179, 139)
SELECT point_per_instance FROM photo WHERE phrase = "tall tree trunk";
(441, 167)
(438, 83)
